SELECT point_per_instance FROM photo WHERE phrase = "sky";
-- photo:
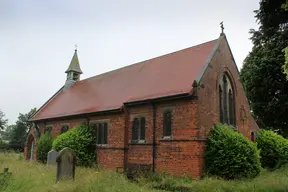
(38, 38)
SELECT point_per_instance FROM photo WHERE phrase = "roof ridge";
(127, 66)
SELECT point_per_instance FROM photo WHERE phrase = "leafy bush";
(81, 140)
(273, 149)
(230, 155)
(44, 145)
(3, 145)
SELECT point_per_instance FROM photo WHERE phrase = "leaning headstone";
(51, 157)
(66, 162)
(4, 175)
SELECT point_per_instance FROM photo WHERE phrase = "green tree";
(24, 118)
(262, 73)
(19, 132)
(3, 121)
(285, 5)
(273, 149)
(6, 134)
(286, 62)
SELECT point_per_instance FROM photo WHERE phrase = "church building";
(155, 114)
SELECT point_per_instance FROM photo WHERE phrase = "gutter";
(166, 98)
(83, 115)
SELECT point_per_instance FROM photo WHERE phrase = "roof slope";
(167, 75)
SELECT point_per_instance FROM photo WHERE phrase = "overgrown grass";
(276, 181)
(34, 177)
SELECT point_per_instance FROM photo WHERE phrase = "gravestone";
(51, 157)
(66, 162)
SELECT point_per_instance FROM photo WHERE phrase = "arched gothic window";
(226, 101)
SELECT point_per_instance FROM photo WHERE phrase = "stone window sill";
(138, 142)
(234, 127)
(166, 138)
(101, 145)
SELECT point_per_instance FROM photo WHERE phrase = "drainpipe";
(126, 116)
(154, 137)
(87, 119)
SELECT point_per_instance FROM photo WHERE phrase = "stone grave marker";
(51, 157)
(66, 162)
(4, 175)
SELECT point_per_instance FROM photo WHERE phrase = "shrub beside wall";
(273, 149)
(230, 155)
(82, 141)
(44, 145)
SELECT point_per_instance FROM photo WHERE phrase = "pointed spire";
(74, 64)
(73, 72)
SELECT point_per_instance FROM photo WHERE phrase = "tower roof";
(74, 64)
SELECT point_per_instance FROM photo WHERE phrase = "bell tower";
(73, 72)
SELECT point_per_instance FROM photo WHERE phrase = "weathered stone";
(51, 157)
(66, 161)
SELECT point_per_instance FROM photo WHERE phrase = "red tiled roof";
(167, 75)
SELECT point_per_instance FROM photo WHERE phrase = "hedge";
(81, 140)
(230, 155)
(273, 149)
(44, 145)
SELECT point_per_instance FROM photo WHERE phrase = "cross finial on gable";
(222, 27)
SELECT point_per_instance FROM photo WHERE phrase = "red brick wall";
(56, 125)
(182, 155)
(140, 153)
(222, 62)
(31, 137)
(110, 156)
(180, 158)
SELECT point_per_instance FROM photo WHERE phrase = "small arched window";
(99, 134)
(142, 128)
(138, 129)
(48, 129)
(167, 124)
(252, 137)
(135, 129)
(226, 101)
(64, 128)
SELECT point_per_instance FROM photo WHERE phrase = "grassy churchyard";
(35, 177)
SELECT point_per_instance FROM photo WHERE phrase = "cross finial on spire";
(222, 27)
(76, 46)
